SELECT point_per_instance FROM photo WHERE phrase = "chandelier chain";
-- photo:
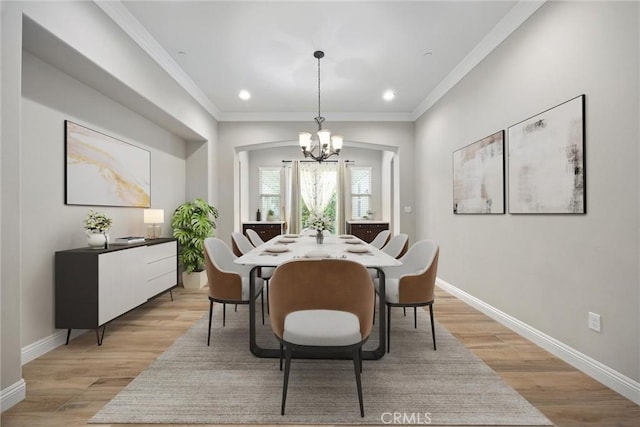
(319, 124)
(327, 145)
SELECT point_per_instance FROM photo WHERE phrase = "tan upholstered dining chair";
(381, 239)
(242, 244)
(412, 284)
(228, 281)
(397, 246)
(321, 306)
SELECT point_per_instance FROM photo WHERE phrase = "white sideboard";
(93, 287)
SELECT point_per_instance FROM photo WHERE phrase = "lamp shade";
(325, 136)
(154, 216)
(336, 141)
(304, 139)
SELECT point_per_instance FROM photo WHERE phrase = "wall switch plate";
(594, 321)
(407, 209)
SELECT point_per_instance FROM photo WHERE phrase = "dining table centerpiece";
(97, 224)
(319, 223)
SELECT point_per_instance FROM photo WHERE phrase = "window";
(360, 192)
(269, 188)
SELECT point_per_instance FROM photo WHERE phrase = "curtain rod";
(324, 161)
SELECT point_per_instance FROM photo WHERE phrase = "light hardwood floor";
(68, 385)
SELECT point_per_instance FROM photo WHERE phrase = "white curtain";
(317, 184)
(341, 199)
(293, 197)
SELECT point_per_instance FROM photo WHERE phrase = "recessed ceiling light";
(388, 95)
(244, 95)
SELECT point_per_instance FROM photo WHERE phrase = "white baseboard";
(46, 344)
(12, 395)
(611, 378)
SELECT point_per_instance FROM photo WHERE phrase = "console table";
(267, 230)
(366, 230)
(94, 286)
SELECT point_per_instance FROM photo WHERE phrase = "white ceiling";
(266, 47)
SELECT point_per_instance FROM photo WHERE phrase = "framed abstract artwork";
(103, 171)
(546, 161)
(478, 176)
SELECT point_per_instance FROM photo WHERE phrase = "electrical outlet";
(594, 321)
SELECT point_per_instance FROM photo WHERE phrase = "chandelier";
(325, 145)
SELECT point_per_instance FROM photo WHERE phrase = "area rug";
(191, 383)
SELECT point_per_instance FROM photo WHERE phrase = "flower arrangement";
(97, 222)
(319, 222)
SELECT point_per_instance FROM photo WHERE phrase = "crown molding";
(503, 29)
(308, 117)
(134, 29)
(131, 26)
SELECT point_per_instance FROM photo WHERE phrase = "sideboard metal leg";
(100, 337)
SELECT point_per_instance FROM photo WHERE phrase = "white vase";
(195, 280)
(96, 240)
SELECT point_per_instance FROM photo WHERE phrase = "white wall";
(96, 43)
(49, 98)
(272, 157)
(397, 136)
(549, 271)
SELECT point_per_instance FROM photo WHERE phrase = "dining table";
(288, 247)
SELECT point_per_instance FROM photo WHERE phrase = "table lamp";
(153, 217)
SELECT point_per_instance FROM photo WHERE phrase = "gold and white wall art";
(103, 171)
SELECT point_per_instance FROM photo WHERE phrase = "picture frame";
(546, 155)
(101, 170)
(479, 176)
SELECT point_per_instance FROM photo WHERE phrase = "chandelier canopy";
(325, 145)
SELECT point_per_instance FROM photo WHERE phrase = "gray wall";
(49, 98)
(549, 271)
(95, 50)
(272, 157)
(233, 135)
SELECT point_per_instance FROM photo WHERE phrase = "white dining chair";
(412, 284)
(242, 243)
(254, 237)
(381, 239)
(397, 246)
(228, 281)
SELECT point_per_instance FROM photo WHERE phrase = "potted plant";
(97, 224)
(270, 215)
(192, 222)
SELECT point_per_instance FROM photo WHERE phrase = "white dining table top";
(305, 247)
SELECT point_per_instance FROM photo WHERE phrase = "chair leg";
(287, 367)
(224, 314)
(415, 317)
(357, 368)
(266, 284)
(360, 356)
(281, 354)
(210, 313)
(404, 309)
(388, 329)
(374, 308)
(433, 329)
(262, 305)
(236, 308)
